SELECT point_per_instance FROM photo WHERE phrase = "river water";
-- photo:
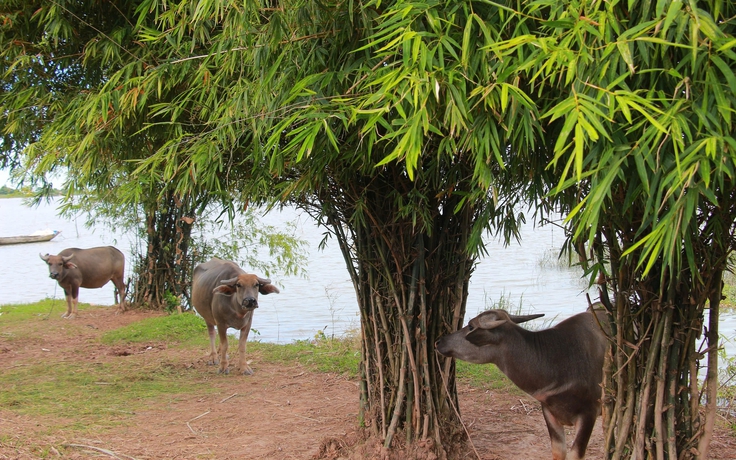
(524, 275)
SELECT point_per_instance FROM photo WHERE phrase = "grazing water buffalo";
(561, 367)
(226, 296)
(88, 268)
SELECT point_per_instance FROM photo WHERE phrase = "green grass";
(323, 355)
(39, 310)
(84, 393)
(341, 356)
(183, 328)
(486, 376)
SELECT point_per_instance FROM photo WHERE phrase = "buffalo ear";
(224, 289)
(70, 265)
(269, 288)
(489, 323)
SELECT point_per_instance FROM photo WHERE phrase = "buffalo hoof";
(247, 371)
(226, 371)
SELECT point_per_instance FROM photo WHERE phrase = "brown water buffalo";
(226, 296)
(561, 367)
(88, 268)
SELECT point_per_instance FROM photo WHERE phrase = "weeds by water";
(729, 292)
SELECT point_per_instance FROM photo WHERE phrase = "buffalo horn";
(523, 318)
(45, 258)
(230, 281)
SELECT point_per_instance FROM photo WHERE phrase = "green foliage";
(255, 246)
(176, 328)
(639, 103)
(617, 114)
(173, 303)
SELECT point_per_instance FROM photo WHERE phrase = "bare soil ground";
(281, 412)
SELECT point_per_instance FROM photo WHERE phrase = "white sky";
(57, 179)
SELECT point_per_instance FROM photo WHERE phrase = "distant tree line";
(25, 191)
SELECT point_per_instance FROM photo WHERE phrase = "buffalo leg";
(556, 434)
(72, 299)
(69, 302)
(213, 351)
(583, 429)
(242, 341)
(222, 333)
(120, 286)
(75, 301)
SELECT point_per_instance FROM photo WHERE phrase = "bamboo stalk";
(628, 415)
(671, 439)
(711, 377)
(379, 361)
(661, 385)
(399, 402)
(616, 415)
(644, 409)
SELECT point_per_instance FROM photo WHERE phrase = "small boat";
(32, 238)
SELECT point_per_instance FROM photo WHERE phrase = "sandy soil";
(281, 412)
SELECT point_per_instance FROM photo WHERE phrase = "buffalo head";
(57, 265)
(468, 343)
(244, 290)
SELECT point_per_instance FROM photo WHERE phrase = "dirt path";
(281, 412)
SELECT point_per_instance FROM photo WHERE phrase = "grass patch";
(341, 356)
(38, 310)
(84, 393)
(486, 376)
(90, 393)
(177, 328)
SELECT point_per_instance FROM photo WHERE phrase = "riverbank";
(135, 386)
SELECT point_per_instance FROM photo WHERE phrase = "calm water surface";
(523, 275)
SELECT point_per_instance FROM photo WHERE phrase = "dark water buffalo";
(88, 268)
(561, 367)
(226, 296)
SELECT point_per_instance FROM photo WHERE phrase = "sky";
(5, 179)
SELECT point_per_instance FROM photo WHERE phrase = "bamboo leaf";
(625, 52)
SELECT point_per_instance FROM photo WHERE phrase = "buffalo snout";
(250, 302)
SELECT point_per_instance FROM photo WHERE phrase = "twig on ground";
(527, 409)
(231, 396)
(99, 449)
(195, 418)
